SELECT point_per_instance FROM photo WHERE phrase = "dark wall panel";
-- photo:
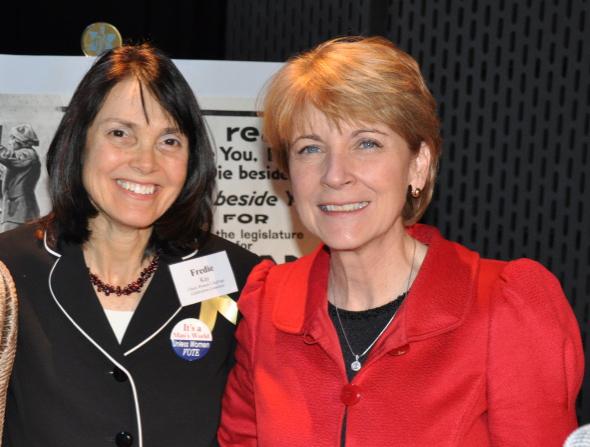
(269, 30)
(511, 78)
(182, 28)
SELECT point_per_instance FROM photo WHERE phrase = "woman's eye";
(369, 144)
(117, 133)
(311, 149)
(171, 142)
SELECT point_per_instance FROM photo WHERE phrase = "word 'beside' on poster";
(253, 202)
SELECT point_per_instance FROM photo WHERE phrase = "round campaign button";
(191, 339)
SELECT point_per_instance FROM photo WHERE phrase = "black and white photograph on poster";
(27, 124)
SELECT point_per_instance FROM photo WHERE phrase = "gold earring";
(415, 192)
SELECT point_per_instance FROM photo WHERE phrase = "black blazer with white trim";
(73, 384)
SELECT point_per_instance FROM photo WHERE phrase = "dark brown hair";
(189, 218)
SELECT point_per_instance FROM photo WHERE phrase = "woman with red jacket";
(388, 334)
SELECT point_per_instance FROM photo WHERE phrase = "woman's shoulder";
(288, 273)
(526, 287)
(259, 277)
(269, 280)
(267, 269)
(20, 241)
(534, 347)
(524, 276)
(22, 250)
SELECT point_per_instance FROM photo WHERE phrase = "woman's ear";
(420, 167)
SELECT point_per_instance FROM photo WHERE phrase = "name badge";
(202, 278)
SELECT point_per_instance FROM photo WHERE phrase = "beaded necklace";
(132, 287)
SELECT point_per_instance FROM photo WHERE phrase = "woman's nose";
(144, 158)
(338, 170)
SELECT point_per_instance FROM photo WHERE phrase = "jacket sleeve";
(535, 359)
(238, 417)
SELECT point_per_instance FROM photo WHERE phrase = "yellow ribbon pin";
(222, 304)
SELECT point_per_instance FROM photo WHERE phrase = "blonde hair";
(355, 79)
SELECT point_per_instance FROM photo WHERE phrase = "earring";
(415, 192)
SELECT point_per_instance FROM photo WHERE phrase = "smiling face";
(350, 182)
(133, 170)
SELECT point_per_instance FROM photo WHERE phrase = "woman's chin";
(362, 239)
(125, 223)
(344, 244)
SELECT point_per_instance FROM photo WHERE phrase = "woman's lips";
(344, 207)
(137, 188)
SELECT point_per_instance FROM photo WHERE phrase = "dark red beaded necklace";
(133, 287)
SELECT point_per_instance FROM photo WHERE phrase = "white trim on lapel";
(190, 255)
(161, 328)
(97, 346)
(54, 253)
(139, 345)
(91, 340)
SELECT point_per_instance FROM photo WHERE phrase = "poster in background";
(42, 113)
(254, 206)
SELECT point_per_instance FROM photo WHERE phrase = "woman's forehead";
(311, 118)
(132, 98)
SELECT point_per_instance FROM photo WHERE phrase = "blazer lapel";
(440, 297)
(157, 307)
(74, 294)
(318, 323)
(301, 306)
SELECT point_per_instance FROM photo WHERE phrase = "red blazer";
(455, 368)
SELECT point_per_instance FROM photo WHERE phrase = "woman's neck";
(116, 256)
(112, 249)
(371, 277)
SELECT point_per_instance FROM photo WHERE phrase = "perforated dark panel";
(511, 78)
(273, 30)
(512, 81)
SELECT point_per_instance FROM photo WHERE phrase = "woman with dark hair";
(119, 338)
(388, 334)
